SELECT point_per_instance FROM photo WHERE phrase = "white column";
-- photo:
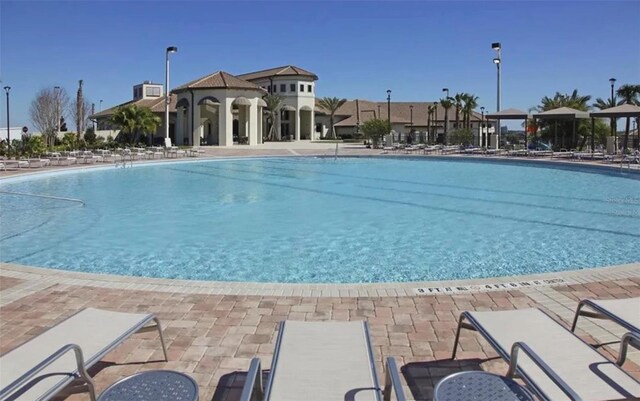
(312, 129)
(197, 127)
(260, 124)
(226, 122)
(297, 118)
(253, 132)
(179, 127)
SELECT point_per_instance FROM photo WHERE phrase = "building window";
(309, 88)
(273, 88)
(292, 87)
(301, 88)
(152, 91)
(283, 88)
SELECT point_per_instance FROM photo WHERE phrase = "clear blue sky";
(357, 48)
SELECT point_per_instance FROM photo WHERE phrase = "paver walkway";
(213, 337)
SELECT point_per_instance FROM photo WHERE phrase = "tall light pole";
(447, 91)
(411, 128)
(389, 112)
(170, 49)
(56, 94)
(612, 81)
(482, 127)
(100, 108)
(498, 61)
(93, 120)
(435, 131)
(7, 89)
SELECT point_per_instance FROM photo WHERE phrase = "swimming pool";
(320, 220)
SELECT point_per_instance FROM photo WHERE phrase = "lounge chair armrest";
(630, 338)
(19, 382)
(252, 389)
(513, 366)
(392, 380)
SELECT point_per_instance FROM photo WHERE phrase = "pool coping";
(50, 277)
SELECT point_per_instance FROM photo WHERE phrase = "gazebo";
(562, 113)
(623, 111)
(510, 114)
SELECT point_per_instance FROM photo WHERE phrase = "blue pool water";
(318, 220)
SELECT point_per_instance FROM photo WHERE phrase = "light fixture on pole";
(482, 127)
(447, 91)
(100, 108)
(7, 89)
(170, 49)
(498, 61)
(389, 112)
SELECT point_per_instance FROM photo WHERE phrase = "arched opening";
(241, 107)
(209, 112)
(287, 122)
(306, 122)
(182, 122)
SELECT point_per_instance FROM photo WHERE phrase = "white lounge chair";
(625, 312)
(322, 361)
(557, 365)
(41, 367)
(16, 163)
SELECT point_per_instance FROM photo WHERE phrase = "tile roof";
(156, 105)
(400, 112)
(218, 79)
(287, 70)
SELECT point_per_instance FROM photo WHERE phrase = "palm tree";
(470, 103)
(274, 103)
(458, 98)
(148, 122)
(630, 94)
(331, 104)
(133, 120)
(446, 105)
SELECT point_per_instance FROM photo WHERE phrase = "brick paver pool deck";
(214, 329)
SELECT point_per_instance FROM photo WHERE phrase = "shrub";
(461, 136)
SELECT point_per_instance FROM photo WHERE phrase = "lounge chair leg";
(164, 348)
(575, 319)
(455, 343)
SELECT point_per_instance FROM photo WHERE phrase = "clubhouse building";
(221, 109)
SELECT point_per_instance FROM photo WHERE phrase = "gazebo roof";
(508, 114)
(562, 113)
(624, 110)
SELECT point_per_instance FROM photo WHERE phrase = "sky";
(358, 49)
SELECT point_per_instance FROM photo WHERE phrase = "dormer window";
(152, 91)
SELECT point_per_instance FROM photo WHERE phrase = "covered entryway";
(209, 116)
(306, 122)
(241, 108)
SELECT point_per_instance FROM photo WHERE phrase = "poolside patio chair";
(557, 365)
(322, 361)
(625, 312)
(39, 368)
